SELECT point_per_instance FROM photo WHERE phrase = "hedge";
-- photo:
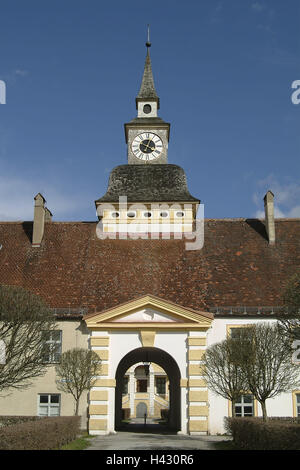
(9, 420)
(41, 434)
(256, 434)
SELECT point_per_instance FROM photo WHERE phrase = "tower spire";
(147, 90)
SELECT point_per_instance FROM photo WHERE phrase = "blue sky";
(223, 71)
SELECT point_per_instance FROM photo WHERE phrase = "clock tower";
(147, 195)
(147, 135)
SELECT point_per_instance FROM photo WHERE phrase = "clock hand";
(149, 147)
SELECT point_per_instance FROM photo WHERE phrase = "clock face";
(147, 146)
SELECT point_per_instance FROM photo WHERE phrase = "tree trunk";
(233, 408)
(76, 406)
(264, 410)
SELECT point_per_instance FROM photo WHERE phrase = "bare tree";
(23, 319)
(266, 362)
(223, 371)
(290, 324)
(76, 372)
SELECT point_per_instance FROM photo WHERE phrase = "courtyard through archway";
(140, 377)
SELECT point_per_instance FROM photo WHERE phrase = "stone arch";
(168, 363)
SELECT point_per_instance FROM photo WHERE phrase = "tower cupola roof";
(147, 91)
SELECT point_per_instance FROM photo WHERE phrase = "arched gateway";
(169, 335)
(167, 362)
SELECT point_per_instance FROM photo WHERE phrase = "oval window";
(147, 215)
(131, 214)
(115, 215)
(164, 214)
(179, 214)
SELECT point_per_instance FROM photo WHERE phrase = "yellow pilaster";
(198, 410)
(98, 406)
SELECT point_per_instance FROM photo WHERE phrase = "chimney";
(269, 216)
(39, 220)
(48, 215)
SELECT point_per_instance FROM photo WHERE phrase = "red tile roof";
(73, 268)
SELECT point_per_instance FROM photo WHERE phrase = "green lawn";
(81, 443)
(224, 445)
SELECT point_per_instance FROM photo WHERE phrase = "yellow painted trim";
(195, 354)
(157, 368)
(97, 341)
(105, 383)
(183, 382)
(198, 411)
(100, 395)
(196, 341)
(102, 353)
(147, 338)
(142, 396)
(196, 369)
(98, 409)
(158, 326)
(294, 393)
(204, 318)
(198, 425)
(197, 383)
(103, 369)
(98, 424)
(198, 395)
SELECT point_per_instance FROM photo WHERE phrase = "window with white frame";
(49, 404)
(244, 406)
(52, 346)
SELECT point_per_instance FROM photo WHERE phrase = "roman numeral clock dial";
(147, 146)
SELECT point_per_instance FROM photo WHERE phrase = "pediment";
(149, 311)
(147, 315)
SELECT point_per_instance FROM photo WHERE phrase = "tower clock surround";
(147, 146)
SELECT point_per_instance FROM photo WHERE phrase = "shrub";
(42, 434)
(256, 434)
